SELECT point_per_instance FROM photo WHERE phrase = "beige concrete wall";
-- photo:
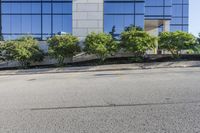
(153, 32)
(87, 17)
(166, 25)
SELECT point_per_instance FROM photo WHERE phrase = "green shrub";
(137, 41)
(196, 48)
(198, 39)
(63, 46)
(24, 50)
(174, 42)
(7, 50)
(100, 44)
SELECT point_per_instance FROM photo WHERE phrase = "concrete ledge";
(118, 67)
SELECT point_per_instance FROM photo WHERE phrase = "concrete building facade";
(87, 17)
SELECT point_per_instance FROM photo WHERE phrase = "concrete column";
(154, 32)
(166, 25)
(166, 28)
(87, 17)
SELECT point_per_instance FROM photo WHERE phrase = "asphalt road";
(139, 101)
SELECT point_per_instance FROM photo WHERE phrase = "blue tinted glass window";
(174, 10)
(46, 24)
(6, 7)
(46, 8)
(128, 20)
(36, 24)
(158, 9)
(6, 24)
(179, 15)
(36, 8)
(16, 24)
(26, 24)
(26, 8)
(139, 20)
(120, 14)
(41, 19)
(15, 7)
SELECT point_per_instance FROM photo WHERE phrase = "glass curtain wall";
(158, 9)
(119, 14)
(180, 15)
(38, 18)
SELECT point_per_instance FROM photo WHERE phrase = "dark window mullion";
(51, 18)
(182, 15)
(31, 19)
(21, 18)
(41, 20)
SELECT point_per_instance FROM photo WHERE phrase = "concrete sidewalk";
(115, 67)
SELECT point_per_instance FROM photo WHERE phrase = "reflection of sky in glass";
(35, 19)
(118, 15)
(179, 15)
(158, 9)
(27, 23)
(123, 13)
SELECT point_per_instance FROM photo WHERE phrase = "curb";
(119, 67)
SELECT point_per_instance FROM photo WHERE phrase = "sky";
(194, 20)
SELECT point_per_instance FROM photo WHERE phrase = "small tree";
(25, 50)
(63, 46)
(100, 44)
(137, 41)
(2, 58)
(174, 42)
(196, 48)
(7, 50)
(198, 39)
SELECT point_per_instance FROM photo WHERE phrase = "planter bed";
(115, 60)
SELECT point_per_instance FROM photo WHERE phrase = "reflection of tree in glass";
(112, 33)
(1, 38)
(130, 27)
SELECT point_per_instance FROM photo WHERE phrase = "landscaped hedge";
(63, 46)
(137, 41)
(174, 42)
(100, 44)
(25, 50)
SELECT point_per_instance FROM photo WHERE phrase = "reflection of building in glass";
(44, 18)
